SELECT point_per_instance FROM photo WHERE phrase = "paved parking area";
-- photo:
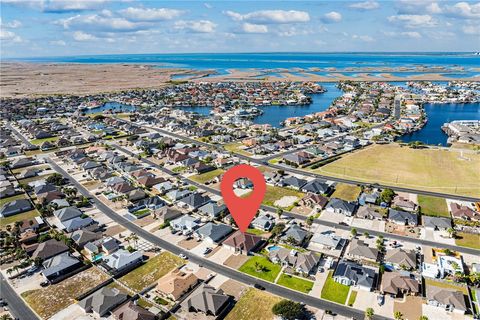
(366, 300)
(332, 217)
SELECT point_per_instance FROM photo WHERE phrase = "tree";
(366, 234)
(369, 313)
(353, 232)
(309, 221)
(56, 179)
(451, 232)
(448, 252)
(291, 240)
(387, 195)
(279, 212)
(289, 310)
(398, 315)
(423, 318)
(277, 229)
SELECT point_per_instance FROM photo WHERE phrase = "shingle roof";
(206, 299)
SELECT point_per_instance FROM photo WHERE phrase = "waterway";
(438, 114)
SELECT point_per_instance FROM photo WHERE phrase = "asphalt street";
(17, 306)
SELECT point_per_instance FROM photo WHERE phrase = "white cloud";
(418, 7)
(433, 8)
(207, 5)
(464, 10)
(254, 28)
(82, 36)
(11, 24)
(100, 23)
(58, 43)
(59, 6)
(471, 29)
(6, 35)
(363, 38)
(367, 5)
(199, 26)
(271, 16)
(413, 20)
(405, 34)
(332, 17)
(150, 14)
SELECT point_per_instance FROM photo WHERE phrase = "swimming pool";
(272, 248)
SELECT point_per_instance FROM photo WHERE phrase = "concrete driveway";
(366, 300)
(221, 255)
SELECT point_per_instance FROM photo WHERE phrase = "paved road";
(263, 162)
(21, 137)
(318, 221)
(17, 306)
(228, 272)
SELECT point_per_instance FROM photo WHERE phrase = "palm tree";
(398, 315)
(451, 232)
(369, 313)
(135, 239)
(9, 271)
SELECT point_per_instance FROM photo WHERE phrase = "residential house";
(60, 265)
(463, 212)
(15, 207)
(304, 263)
(185, 224)
(436, 223)
(122, 259)
(293, 182)
(77, 223)
(212, 209)
(447, 299)
(243, 243)
(353, 274)
(165, 214)
(208, 300)
(48, 249)
(175, 284)
(193, 201)
(316, 186)
(403, 218)
(132, 311)
(176, 195)
(401, 259)
(370, 213)
(67, 213)
(314, 201)
(296, 234)
(212, 233)
(341, 206)
(358, 250)
(263, 222)
(399, 284)
(404, 204)
(82, 237)
(368, 198)
(328, 240)
(103, 301)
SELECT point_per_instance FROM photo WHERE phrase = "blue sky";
(69, 27)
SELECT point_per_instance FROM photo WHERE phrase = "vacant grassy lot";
(433, 206)
(10, 199)
(269, 273)
(347, 192)
(40, 141)
(236, 147)
(254, 304)
(429, 169)
(334, 291)
(207, 176)
(19, 217)
(151, 271)
(274, 193)
(50, 300)
(468, 240)
(295, 283)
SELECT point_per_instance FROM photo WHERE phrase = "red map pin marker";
(243, 209)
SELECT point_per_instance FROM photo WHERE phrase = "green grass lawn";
(468, 240)
(256, 231)
(179, 169)
(151, 271)
(40, 141)
(207, 176)
(269, 274)
(10, 199)
(433, 206)
(235, 147)
(275, 193)
(254, 304)
(19, 217)
(295, 283)
(347, 192)
(427, 169)
(334, 291)
(352, 298)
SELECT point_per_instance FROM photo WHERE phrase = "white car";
(184, 257)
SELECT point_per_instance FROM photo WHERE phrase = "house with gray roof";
(60, 265)
(358, 250)
(212, 209)
(296, 233)
(82, 237)
(367, 212)
(122, 259)
(403, 218)
(353, 274)
(316, 186)
(212, 232)
(341, 206)
(447, 299)
(401, 259)
(15, 207)
(302, 262)
(208, 300)
(328, 240)
(436, 223)
(67, 213)
(194, 201)
(293, 182)
(102, 301)
(263, 222)
(48, 249)
(185, 224)
(77, 223)
(175, 195)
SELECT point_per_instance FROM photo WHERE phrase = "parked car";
(259, 287)
(184, 257)
(381, 299)
(44, 284)
(207, 250)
